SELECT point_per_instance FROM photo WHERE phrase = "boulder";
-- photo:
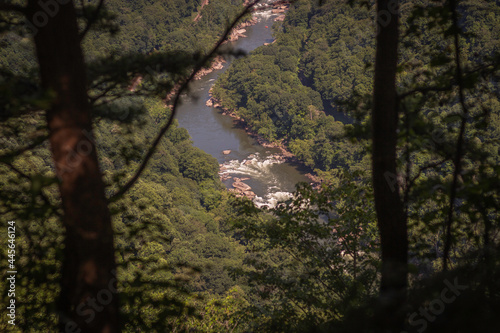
(241, 186)
(249, 194)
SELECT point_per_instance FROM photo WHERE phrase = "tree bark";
(389, 207)
(88, 297)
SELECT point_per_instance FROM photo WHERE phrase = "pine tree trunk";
(388, 204)
(88, 296)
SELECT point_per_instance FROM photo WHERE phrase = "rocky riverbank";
(283, 156)
(218, 62)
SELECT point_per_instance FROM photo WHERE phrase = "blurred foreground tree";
(70, 100)
(389, 206)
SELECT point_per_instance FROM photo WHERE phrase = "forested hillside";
(146, 26)
(282, 90)
(321, 62)
(447, 151)
(159, 244)
(174, 246)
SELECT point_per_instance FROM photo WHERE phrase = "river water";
(270, 179)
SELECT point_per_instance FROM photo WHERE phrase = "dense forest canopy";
(187, 255)
(173, 242)
(447, 127)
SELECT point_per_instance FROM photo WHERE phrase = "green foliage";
(313, 257)
(328, 48)
(309, 264)
(280, 89)
(172, 241)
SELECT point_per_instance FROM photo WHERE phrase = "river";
(270, 179)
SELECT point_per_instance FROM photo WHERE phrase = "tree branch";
(460, 140)
(42, 195)
(18, 152)
(91, 19)
(412, 181)
(424, 90)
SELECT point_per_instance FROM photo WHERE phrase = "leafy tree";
(72, 95)
(436, 141)
(313, 259)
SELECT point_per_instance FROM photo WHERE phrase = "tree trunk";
(388, 204)
(88, 297)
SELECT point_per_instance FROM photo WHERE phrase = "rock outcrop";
(242, 186)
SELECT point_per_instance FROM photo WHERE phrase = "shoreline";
(219, 61)
(239, 32)
(284, 155)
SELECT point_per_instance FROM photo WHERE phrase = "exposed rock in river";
(241, 186)
(238, 32)
(249, 194)
(241, 189)
(217, 63)
(280, 18)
